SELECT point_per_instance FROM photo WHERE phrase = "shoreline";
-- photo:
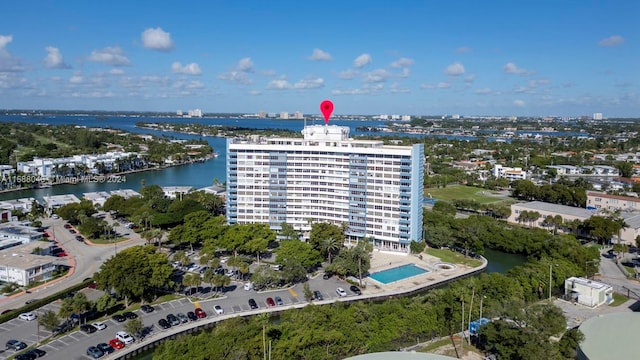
(102, 178)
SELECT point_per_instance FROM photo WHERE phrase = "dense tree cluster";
(561, 192)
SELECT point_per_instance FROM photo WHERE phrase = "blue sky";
(496, 57)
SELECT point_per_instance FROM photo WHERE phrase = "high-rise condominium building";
(375, 190)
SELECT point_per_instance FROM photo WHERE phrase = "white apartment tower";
(372, 188)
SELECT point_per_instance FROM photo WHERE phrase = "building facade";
(372, 188)
(587, 292)
(604, 201)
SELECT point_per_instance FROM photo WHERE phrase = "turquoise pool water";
(397, 273)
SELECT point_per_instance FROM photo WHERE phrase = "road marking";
(293, 293)
(196, 304)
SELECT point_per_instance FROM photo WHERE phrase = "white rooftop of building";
(213, 189)
(177, 189)
(125, 193)
(589, 283)
(91, 196)
(555, 208)
(60, 200)
(18, 260)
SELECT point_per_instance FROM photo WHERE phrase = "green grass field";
(462, 192)
(453, 257)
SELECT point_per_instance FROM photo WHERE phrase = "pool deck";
(381, 260)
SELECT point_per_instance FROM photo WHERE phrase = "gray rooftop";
(558, 209)
(611, 336)
(24, 261)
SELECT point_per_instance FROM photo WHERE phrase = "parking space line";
(293, 293)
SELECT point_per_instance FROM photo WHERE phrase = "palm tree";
(330, 246)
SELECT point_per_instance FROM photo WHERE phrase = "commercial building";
(587, 292)
(24, 268)
(375, 190)
(509, 173)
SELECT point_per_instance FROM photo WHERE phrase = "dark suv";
(317, 295)
(355, 290)
(64, 327)
(252, 304)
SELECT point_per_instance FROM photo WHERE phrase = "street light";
(550, 278)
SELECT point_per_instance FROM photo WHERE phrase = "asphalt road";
(87, 259)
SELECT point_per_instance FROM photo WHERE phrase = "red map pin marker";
(326, 107)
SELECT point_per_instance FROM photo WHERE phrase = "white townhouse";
(375, 190)
(509, 173)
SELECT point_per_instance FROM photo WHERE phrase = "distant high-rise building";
(406, 117)
(597, 116)
(179, 113)
(298, 115)
(374, 190)
(284, 115)
(262, 114)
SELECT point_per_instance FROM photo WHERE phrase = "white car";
(341, 292)
(125, 337)
(218, 309)
(99, 325)
(27, 316)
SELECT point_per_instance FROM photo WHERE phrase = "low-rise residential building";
(55, 201)
(97, 198)
(173, 192)
(568, 213)
(23, 204)
(509, 173)
(604, 201)
(566, 169)
(16, 232)
(49, 168)
(587, 292)
(125, 193)
(24, 269)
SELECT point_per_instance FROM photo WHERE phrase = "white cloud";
(443, 85)
(463, 49)
(189, 69)
(113, 56)
(395, 88)
(54, 59)
(76, 79)
(375, 76)
(613, 40)
(362, 60)
(483, 91)
(235, 76)
(309, 83)
(537, 82)
(470, 79)
(511, 68)
(454, 69)
(268, 73)
(240, 72)
(426, 86)
(348, 74)
(245, 65)
(518, 102)
(157, 39)
(279, 84)
(255, 92)
(402, 63)
(368, 89)
(8, 62)
(116, 72)
(320, 55)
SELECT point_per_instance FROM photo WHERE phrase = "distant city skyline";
(567, 58)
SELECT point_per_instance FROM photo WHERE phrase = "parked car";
(16, 345)
(218, 309)
(63, 327)
(173, 320)
(317, 295)
(94, 352)
(37, 352)
(125, 337)
(200, 313)
(119, 318)
(130, 315)
(182, 317)
(341, 292)
(164, 323)
(99, 325)
(116, 344)
(88, 328)
(327, 275)
(28, 316)
(26, 356)
(105, 348)
(356, 290)
(147, 308)
(279, 301)
(192, 316)
(252, 304)
(270, 302)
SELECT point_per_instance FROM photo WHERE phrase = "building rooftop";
(18, 260)
(125, 193)
(589, 283)
(60, 200)
(17, 229)
(611, 336)
(559, 209)
(608, 196)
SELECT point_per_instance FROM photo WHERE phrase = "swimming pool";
(397, 273)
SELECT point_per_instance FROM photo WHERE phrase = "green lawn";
(462, 192)
(453, 257)
(618, 299)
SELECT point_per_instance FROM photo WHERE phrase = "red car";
(270, 302)
(61, 254)
(116, 344)
(200, 313)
